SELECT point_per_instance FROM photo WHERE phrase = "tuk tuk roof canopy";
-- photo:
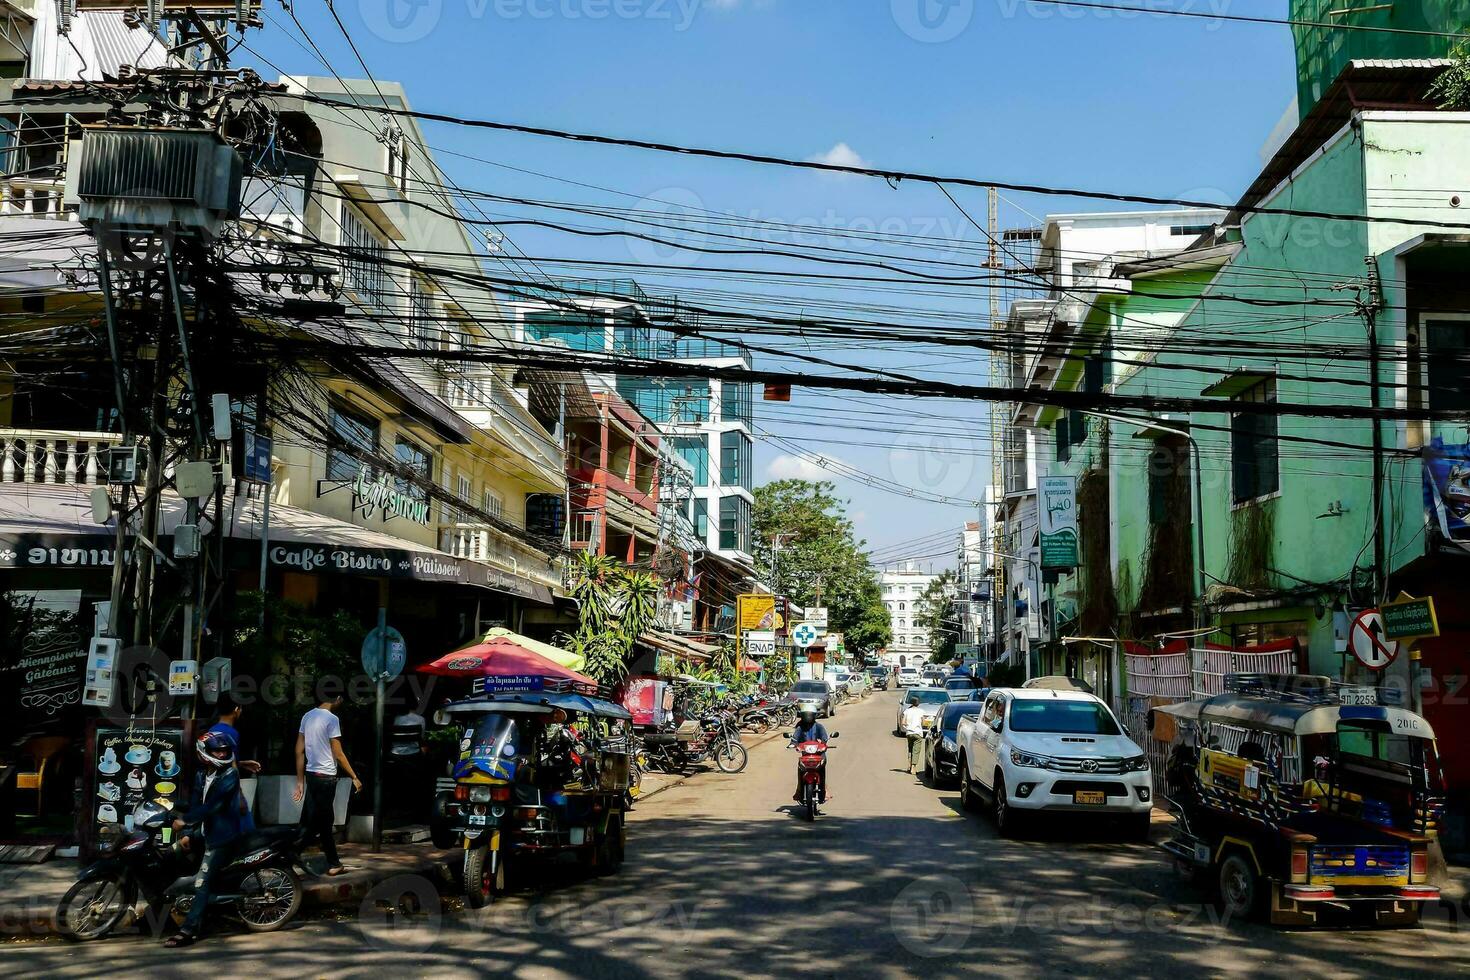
(1296, 718)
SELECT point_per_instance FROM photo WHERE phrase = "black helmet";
(808, 714)
(215, 750)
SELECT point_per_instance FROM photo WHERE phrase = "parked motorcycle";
(811, 757)
(695, 741)
(260, 885)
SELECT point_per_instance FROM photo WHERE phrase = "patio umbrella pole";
(378, 732)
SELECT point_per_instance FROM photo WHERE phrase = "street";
(724, 879)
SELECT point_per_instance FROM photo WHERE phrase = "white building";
(1078, 253)
(902, 588)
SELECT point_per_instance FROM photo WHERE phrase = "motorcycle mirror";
(835, 734)
(790, 734)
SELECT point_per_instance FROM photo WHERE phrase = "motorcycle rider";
(808, 729)
(220, 804)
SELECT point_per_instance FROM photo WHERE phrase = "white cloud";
(841, 155)
(795, 468)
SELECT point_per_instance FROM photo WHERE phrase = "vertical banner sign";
(1057, 519)
(1447, 494)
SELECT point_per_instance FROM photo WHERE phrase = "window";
(736, 465)
(418, 462)
(1254, 466)
(423, 333)
(701, 518)
(902, 624)
(1061, 438)
(466, 494)
(577, 331)
(900, 606)
(901, 640)
(491, 503)
(364, 268)
(735, 524)
(1193, 231)
(737, 402)
(694, 450)
(1062, 717)
(1448, 356)
(1168, 479)
(349, 431)
(544, 514)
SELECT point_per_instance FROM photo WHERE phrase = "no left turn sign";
(1366, 641)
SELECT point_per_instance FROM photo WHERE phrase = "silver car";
(815, 693)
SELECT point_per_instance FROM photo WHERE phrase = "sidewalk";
(29, 893)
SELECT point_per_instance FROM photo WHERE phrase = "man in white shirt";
(319, 756)
(913, 727)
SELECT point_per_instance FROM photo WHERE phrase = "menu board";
(130, 765)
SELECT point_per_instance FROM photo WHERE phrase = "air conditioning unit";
(153, 180)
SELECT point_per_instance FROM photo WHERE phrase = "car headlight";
(1019, 758)
(1136, 763)
(949, 744)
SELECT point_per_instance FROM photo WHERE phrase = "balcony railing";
(53, 456)
(34, 198)
(482, 542)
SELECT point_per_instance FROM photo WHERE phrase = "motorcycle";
(712, 737)
(259, 885)
(811, 757)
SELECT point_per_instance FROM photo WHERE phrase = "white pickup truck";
(1036, 749)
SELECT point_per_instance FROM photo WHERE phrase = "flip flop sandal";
(335, 872)
(179, 940)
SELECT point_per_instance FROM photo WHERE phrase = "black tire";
(272, 897)
(811, 808)
(967, 788)
(1138, 827)
(79, 917)
(610, 848)
(731, 756)
(480, 886)
(1005, 823)
(1239, 889)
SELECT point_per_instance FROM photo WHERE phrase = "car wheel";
(1139, 826)
(967, 788)
(1004, 823)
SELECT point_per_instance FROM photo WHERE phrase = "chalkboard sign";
(130, 765)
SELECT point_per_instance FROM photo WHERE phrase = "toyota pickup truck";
(1036, 749)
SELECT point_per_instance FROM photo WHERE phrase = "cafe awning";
(51, 526)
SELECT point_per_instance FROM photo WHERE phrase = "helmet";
(808, 714)
(215, 750)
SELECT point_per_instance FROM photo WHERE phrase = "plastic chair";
(37, 758)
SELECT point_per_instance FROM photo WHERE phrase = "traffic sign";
(760, 643)
(1367, 642)
(373, 648)
(1408, 618)
(804, 635)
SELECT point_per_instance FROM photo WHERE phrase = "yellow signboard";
(756, 612)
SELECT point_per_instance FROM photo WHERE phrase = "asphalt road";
(724, 879)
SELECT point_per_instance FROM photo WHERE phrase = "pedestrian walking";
(227, 724)
(913, 728)
(319, 757)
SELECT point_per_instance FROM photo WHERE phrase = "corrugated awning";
(680, 645)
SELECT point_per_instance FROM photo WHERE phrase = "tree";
(932, 612)
(819, 557)
(614, 608)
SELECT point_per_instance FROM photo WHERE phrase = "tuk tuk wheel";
(1240, 891)
(480, 885)
(610, 848)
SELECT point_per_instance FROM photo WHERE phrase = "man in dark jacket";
(220, 805)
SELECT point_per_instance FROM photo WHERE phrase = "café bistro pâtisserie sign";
(369, 495)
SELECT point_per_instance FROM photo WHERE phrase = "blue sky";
(1000, 89)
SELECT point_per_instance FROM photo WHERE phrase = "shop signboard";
(1057, 521)
(760, 643)
(1447, 493)
(128, 766)
(757, 611)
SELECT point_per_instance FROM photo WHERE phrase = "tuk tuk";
(540, 774)
(1295, 798)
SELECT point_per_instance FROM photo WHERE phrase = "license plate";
(477, 819)
(1090, 796)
